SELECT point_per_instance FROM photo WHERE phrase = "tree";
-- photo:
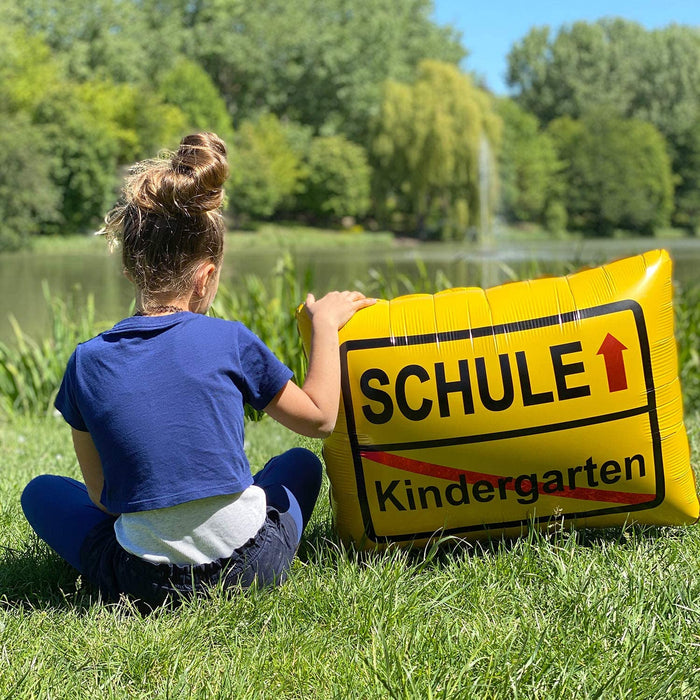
(667, 91)
(687, 168)
(188, 87)
(137, 118)
(585, 66)
(321, 64)
(528, 166)
(617, 172)
(612, 64)
(27, 70)
(28, 196)
(123, 41)
(338, 179)
(266, 169)
(623, 69)
(96, 127)
(432, 141)
(84, 169)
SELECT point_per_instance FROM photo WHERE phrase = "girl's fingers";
(339, 305)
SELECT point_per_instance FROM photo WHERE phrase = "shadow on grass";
(320, 540)
(36, 578)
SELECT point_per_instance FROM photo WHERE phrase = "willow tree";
(433, 149)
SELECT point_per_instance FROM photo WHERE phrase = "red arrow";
(611, 350)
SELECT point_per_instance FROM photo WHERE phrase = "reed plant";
(31, 370)
(688, 334)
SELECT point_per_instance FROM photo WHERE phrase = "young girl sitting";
(169, 505)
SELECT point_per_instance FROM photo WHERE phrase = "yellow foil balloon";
(477, 412)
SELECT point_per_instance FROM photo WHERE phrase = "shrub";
(30, 370)
(617, 173)
(28, 195)
(528, 167)
(266, 168)
(337, 182)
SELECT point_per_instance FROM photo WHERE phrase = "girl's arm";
(90, 465)
(312, 409)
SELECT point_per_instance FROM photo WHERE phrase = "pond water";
(97, 273)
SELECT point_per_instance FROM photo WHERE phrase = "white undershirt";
(196, 532)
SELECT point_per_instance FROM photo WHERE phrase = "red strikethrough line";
(451, 474)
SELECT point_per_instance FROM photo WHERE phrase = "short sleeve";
(66, 401)
(263, 375)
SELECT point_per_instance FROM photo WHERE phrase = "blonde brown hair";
(169, 218)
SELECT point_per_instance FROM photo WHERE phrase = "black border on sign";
(485, 331)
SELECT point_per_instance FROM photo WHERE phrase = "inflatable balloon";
(477, 412)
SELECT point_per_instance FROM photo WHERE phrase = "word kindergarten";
(479, 412)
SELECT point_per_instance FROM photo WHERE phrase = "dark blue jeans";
(61, 513)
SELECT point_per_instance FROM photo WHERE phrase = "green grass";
(611, 613)
(265, 235)
(608, 614)
(286, 236)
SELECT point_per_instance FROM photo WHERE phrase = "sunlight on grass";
(555, 614)
(559, 614)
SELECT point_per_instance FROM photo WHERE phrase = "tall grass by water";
(31, 370)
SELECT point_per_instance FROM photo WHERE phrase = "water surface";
(98, 273)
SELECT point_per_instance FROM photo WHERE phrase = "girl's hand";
(336, 308)
(313, 409)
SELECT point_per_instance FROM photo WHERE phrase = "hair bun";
(190, 183)
(201, 162)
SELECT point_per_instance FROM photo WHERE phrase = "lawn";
(264, 236)
(586, 614)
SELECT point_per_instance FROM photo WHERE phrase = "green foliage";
(687, 306)
(321, 64)
(555, 217)
(27, 70)
(337, 182)
(266, 168)
(84, 169)
(617, 173)
(619, 67)
(28, 195)
(585, 65)
(30, 370)
(187, 86)
(94, 127)
(121, 41)
(668, 82)
(528, 169)
(138, 119)
(140, 73)
(318, 63)
(611, 64)
(687, 169)
(427, 146)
